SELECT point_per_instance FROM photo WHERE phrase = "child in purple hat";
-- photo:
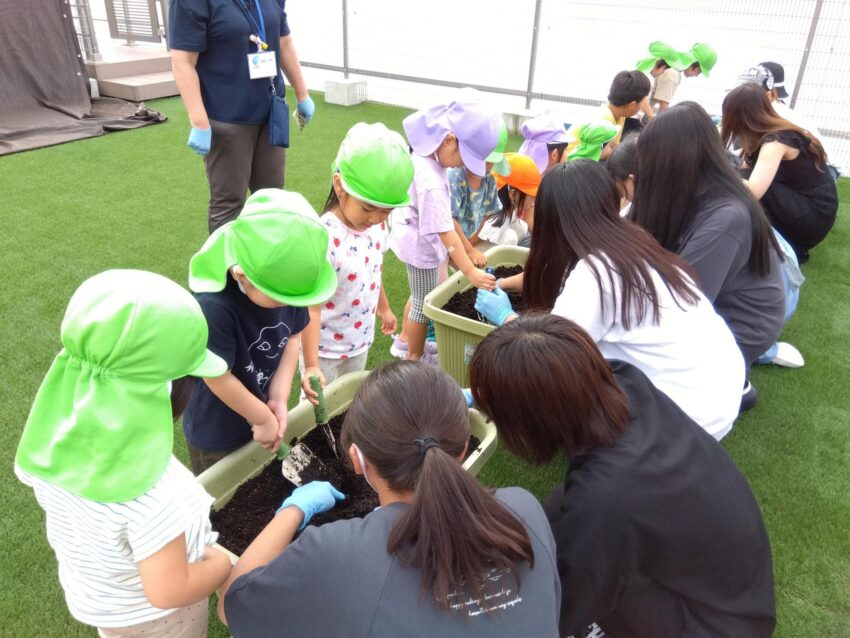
(545, 141)
(460, 133)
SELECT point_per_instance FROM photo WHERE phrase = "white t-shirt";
(98, 545)
(508, 234)
(348, 318)
(690, 354)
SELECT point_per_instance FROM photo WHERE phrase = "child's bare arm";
(281, 384)
(170, 582)
(389, 323)
(310, 349)
(512, 283)
(477, 277)
(239, 399)
(475, 256)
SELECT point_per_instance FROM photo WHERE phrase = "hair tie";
(425, 443)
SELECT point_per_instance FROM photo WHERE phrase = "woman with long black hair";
(658, 533)
(637, 301)
(442, 556)
(785, 168)
(689, 197)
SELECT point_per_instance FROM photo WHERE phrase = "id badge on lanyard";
(262, 63)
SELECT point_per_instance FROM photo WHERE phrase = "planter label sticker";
(468, 351)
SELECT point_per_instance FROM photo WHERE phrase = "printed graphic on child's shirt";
(266, 349)
(348, 318)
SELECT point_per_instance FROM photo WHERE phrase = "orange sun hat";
(525, 176)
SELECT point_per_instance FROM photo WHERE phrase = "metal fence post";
(532, 62)
(345, 38)
(812, 28)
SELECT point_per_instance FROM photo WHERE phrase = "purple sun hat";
(538, 132)
(475, 126)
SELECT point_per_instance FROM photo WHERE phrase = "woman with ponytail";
(442, 555)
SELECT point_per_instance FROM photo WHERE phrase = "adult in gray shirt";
(442, 556)
(688, 196)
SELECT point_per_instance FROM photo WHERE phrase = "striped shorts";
(421, 282)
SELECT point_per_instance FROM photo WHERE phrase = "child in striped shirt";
(127, 521)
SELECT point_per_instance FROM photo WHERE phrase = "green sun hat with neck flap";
(591, 137)
(100, 426)
(702, 53)
(497, 157)
(661, 51)
(280, 245)
(374, 166)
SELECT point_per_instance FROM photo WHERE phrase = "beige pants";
(186, 622)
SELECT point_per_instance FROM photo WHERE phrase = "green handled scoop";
(321, 413)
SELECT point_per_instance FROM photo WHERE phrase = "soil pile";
(463, 303)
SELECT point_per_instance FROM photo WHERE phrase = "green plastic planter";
(458, 336)
(223, 478)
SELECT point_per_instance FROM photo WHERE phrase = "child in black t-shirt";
(254, 278)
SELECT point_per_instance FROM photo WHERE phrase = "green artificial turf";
(137, 199)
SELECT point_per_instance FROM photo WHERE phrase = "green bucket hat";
(702, 53)
(591, 137)
(374, 166)
(661, 51)
(497, 157)
(279, 243)
(100, 426)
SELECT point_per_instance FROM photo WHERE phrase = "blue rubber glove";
(306, 109)
(314, 498)
(494, 306)
(200, 140)
(467, 394)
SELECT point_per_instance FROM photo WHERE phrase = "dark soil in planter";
(255, 502)
(463, 303)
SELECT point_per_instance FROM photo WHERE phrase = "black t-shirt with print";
(251, 340)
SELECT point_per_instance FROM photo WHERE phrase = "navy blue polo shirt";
(218, 30)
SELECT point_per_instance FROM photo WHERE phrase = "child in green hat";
(371, 176)
(254, 279)
(129, 524)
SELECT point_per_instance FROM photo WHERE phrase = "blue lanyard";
(261, 27)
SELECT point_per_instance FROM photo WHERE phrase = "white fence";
(414, 53)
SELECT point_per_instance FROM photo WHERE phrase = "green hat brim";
(323, 289)
(211, 365)
(405, 201)
(501, 166)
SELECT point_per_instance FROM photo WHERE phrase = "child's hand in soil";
(481, 279)
(314, 498)
(495, 306)
(266, 433)
(309, 392)
(477, 257)
(389, 323)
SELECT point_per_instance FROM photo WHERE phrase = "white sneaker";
(787, 356)
(399, 347)
(430, 358)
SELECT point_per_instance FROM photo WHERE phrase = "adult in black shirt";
(657, 531)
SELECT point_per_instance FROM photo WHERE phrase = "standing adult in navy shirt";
(211, 41)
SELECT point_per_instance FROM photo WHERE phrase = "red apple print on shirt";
(337, 336)
(367, 259)
(330, 305)
(383, 226)
(378, 245)
(372, 287)
(345, 356)
(356, 302)
(336, 242)
(352, 276)
(358, 324)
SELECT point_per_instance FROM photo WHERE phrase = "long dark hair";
(547, 387)
(511, 199)
(749, 116)
(576, 216)
(680, 160)
(182, 390)
(454, 531)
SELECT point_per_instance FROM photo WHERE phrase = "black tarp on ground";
(44, 92)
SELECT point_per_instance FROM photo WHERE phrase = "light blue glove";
(200, 140)
(467, 394)
(495, 306)
(306, 109)
(314, 498)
